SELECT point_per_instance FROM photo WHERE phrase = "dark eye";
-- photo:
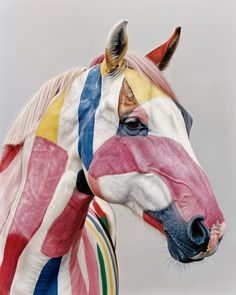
(133, 123)
(132, 126)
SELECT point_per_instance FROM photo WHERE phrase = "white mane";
(27, 120)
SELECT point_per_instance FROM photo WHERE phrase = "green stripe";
(104, 222)
(103, 271)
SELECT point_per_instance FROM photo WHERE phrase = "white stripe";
(68, 121)
(82, 262)
(106, 118)
(10, 180)
(165, 119)
(146, 190)
(64, 283)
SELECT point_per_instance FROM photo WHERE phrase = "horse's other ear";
(162, 54)
(116, 48)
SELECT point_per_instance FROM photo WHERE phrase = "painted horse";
(115, 131)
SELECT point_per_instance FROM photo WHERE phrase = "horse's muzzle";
(188, 241)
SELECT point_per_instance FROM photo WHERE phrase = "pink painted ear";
(162, 54)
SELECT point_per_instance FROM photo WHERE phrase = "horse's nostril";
(197, 232)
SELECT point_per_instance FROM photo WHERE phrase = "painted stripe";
(106, 117)
(108, 243)
(45, 168)
(101, 236)
(58, 241)
(64, 284)
(103, 271)
(10, 152)
(78, 285)
(48, 125)
(89, 102)
(8, 191)
(91, 263)
(82, 261)
(26, 152)
(110, 216)
(68, 121)
(142, 87)
(47, 283)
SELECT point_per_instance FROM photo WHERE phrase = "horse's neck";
(44, 214)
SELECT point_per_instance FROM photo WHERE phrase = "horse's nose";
(198, 232)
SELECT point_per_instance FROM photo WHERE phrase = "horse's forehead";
(141, 86)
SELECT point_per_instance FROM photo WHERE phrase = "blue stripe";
(89, 101)
(47, 283)
(108, 246)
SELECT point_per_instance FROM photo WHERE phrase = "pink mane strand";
(147, 67)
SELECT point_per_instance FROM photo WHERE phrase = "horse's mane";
(27, 120)
(147, 67)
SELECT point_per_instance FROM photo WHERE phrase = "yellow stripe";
(111, 247)
(48, 125)
(143, 89)
(94, 230)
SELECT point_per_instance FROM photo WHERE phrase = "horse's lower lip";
(202, 255)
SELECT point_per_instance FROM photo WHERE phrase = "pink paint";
(60, 236)
(140, 113)
(76, 277)
(9, 153)
(165, 157)
(45, 168)
(92, 265)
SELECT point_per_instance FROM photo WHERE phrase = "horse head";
(135, 148)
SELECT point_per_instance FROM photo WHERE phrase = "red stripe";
(153, 222)
(92, 265)
(61, 234)
(98, 209)
(45, 168)
(77, 281)
(10, 152)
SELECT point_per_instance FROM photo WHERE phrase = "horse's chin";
(179, 254)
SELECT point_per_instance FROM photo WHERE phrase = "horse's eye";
(132, 126)
(133, 123)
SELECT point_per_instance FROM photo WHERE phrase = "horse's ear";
(162, 54)
(116, 48)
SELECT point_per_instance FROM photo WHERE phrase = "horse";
(110, 133)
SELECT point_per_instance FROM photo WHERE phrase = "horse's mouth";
(180, 245)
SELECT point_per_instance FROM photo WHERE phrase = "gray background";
(39, 39)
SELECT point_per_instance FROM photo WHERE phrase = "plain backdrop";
(39, 39)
